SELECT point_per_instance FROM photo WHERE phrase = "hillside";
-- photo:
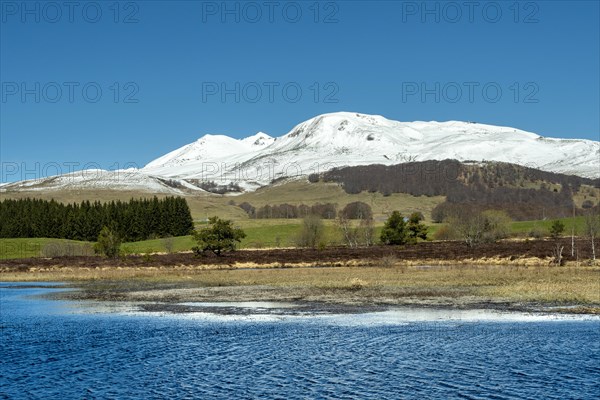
(525, 193)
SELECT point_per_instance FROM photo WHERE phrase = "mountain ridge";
(337, 140)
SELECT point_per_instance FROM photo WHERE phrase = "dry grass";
(573, 285)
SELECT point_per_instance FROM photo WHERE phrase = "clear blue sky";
(403, 60)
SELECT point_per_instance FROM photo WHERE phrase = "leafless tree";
(592, 229)
(367, 231)
(312, 233)
(558, 250)
(348, 232)
(356, 235)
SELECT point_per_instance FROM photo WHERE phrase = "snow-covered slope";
(339, 139)
(211, 147)
(96, 179)
(343, 138)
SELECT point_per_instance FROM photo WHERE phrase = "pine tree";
(416, 230)
(394, 231)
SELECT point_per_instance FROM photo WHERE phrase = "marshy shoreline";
(247, 300)
(506, 276)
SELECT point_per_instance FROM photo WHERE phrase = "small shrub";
(497, 225)
(108, 243)
(445, 232)
(536, 233)
(312, 233)
(168, 243)
(557, 229)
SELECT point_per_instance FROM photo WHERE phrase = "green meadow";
(265, 233)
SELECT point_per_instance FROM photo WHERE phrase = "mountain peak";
(350, 138)
(259, 139)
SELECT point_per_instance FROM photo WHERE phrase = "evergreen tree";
(394, 231)
(557, 229)
(416, 230)
(219, 236)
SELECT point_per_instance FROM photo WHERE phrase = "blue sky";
(116, 84)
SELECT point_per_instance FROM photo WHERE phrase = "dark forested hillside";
(525, 193)
(133, 221)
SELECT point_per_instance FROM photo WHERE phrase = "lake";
(62, 350)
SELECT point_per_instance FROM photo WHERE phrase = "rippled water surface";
(52, 349)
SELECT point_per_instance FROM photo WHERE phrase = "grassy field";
(524, 227)
(263, 233)
(174, 244)
(36, 247)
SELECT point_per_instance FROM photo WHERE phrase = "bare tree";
(367, 231)
(348, 232)
(469, 226)
(592, 229)
(573, 234)
(312, 233)
(356, 235)
(479, 227)
(558, 258)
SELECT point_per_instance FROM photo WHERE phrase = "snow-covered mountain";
(348, 139)
(212, 147)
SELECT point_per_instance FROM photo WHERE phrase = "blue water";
(53, 350)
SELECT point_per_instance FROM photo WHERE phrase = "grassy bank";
(459, 286)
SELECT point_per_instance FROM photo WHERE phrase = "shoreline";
(504, 276)
(453, 288)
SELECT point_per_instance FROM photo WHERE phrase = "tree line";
(135, 220)
(354, 210)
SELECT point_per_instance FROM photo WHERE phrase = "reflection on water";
(51, 349)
